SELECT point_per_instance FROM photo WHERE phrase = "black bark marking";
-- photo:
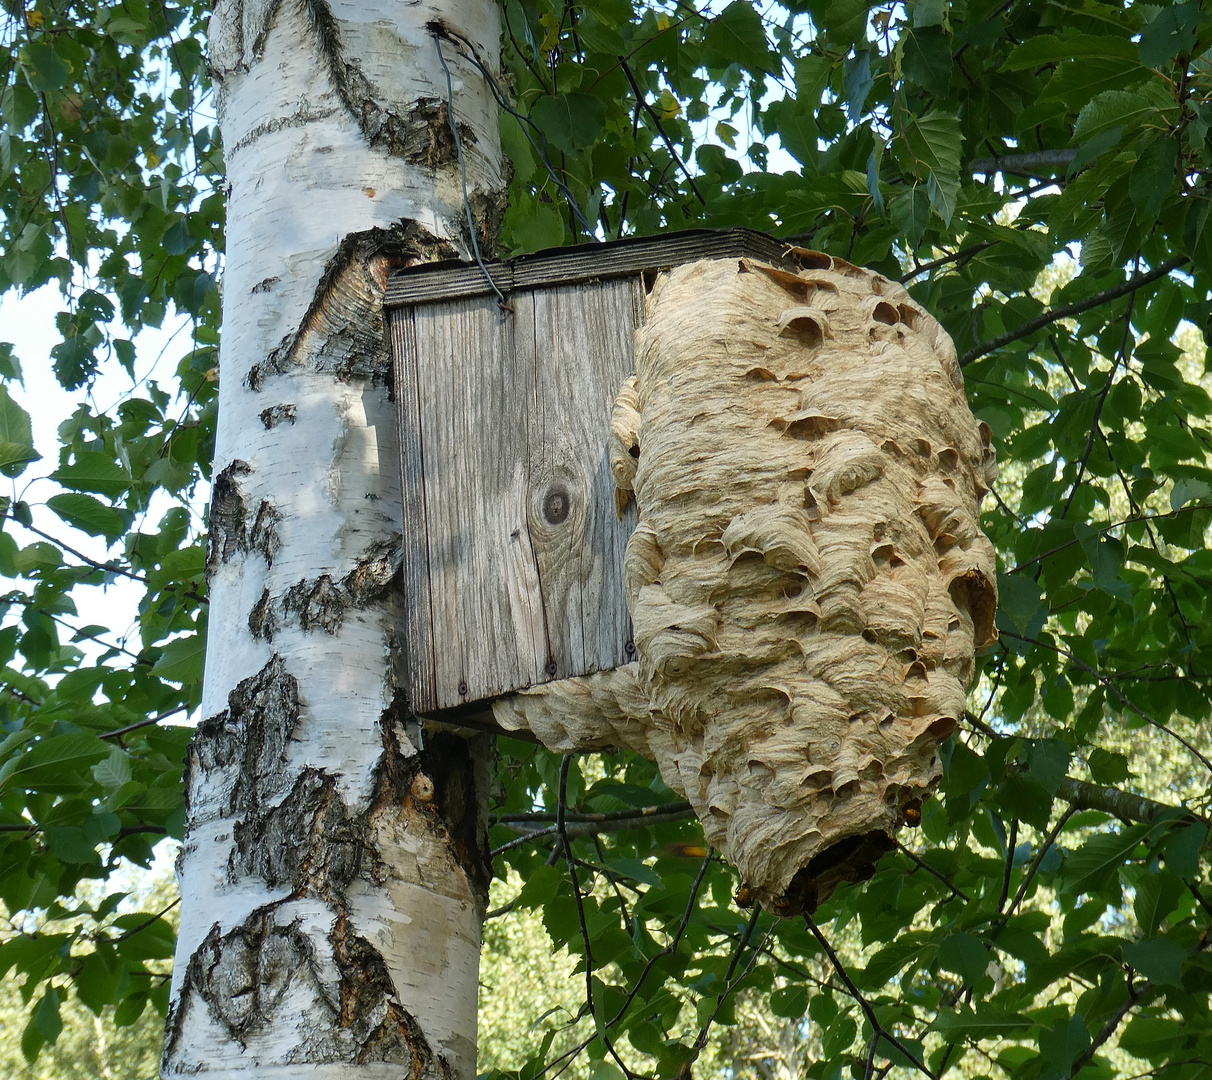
(227, 515)
(343, 330)
(263, 619)
(245, 744)
(419, 135)
(310, 842)
(230, 530)
(242, 976)
(278, 414)
(322, 603)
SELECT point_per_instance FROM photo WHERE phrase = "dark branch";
(877, 1029)
(1069, 310)
(1037, 163)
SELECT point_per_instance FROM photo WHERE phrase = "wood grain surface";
(513, 552)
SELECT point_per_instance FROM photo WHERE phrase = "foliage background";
(1038, 175)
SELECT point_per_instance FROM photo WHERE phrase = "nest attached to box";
(807, 581)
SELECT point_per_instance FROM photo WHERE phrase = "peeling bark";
(322, 603)
(310, 843)
(343, 331)
(278, 414)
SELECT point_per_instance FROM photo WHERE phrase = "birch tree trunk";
(335, 867)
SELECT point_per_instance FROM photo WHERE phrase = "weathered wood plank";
(583, 347)
(474, 408)
(513, 553)
(576, 265)
(419, 648)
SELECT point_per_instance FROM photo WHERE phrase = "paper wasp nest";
(807, 582)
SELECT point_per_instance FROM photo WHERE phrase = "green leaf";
(1171, 31)
(1063, 1043)
(114, 771)
(1159, 959)
(1020, 601)
(571, 122)
(1151, 1037)
(840, 1037)
(69, 844)
(910, 213)
(54, 763)
(927, 60)
(1183, 849)
(100, 975)
(858, 83)
(535, 226)
(129, 1009)
(843, 22)
(1098, 860)
(790, 1002)
(88, 515)
(46, 1016)
(1112, 109)
(1107, 767)
(934, 140)
(181, 660)
(1152, 177)
(1044, 49)
(1048, 761)
(1157, 894)
(929, 12)
(964, 954)
(737, 36)
(93, 471)
(983, 1022)
(45, 68)
(16, 436)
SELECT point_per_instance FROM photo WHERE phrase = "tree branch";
(1036, 163)
(642, 99)
(878, 1030)
(1131, 809)
(1125, 701)
(1054, 314)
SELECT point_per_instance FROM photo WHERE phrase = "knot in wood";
(422, 788)
(556, 504)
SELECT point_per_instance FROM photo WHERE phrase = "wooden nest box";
(711, 498)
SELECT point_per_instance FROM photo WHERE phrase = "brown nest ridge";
(807, 581)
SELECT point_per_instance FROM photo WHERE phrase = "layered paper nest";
(808, 582)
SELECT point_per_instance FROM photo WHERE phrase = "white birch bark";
(334, 871)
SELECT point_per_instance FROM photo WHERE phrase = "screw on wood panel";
(629, 648)
(555, 505)
(551, 667)
(462, 689)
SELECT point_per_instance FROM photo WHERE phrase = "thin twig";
(1033, 867)
(730, 984)
(1011, 844)
(643, 100)
(672, 947)
(1121, 357)
(877, 1029)
(119, 732)
(937, 873)
(1115, 690)
(958, 256)
(1053, 315)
